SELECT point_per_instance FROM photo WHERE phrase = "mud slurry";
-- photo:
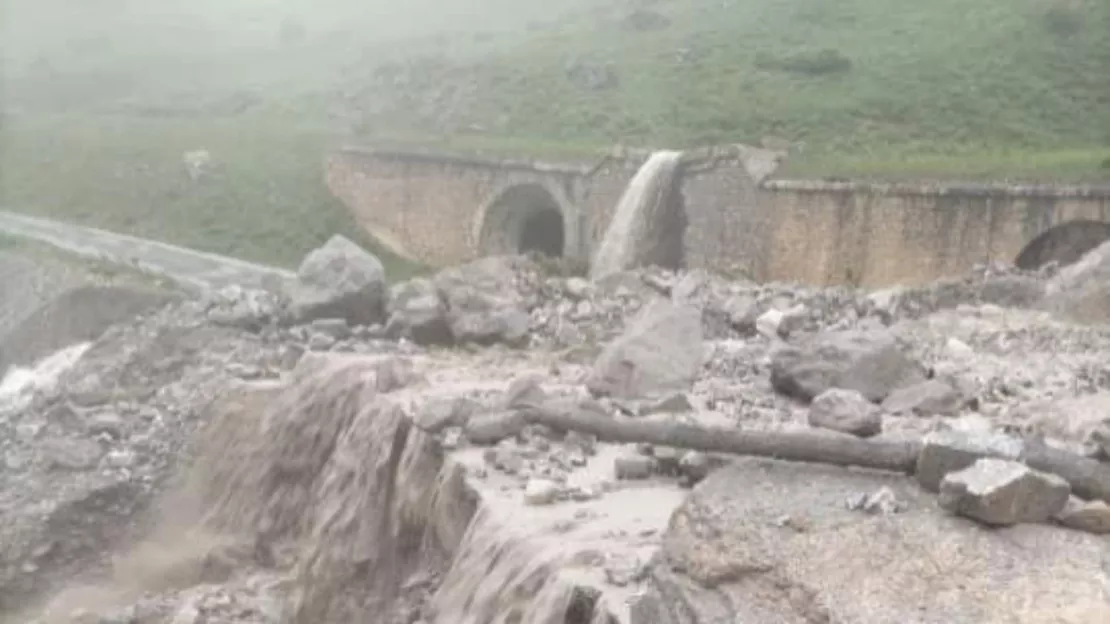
(324, 486)
(317, 492)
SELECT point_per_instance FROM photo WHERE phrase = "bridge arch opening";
(1065, 244)
(524, 218)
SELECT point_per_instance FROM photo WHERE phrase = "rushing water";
(20, 383)
(642, 220)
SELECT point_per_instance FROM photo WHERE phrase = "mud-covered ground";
(217, 460)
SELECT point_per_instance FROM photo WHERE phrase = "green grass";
(265, 200)
(102, 104)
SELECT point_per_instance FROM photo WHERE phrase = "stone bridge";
(442, 209)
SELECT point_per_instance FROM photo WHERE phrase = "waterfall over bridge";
(720, 209)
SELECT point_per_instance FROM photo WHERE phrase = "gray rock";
(77, 455)
(440, 414)
(725, 558)
(943, 452)
(490, 326)
(742, 312)
(339, 280)
(694, 466)
(675, 403)
(483, 304)
(540, 492)
(1089, 516)
(661, 351)
(524, 392)
(869, 362)
(1002, 492)
(1100, 438)
(633, 467)
(934, 397)
(846, 411)
(336, 328)
(880, 502)
(416, 311)
(768, 323)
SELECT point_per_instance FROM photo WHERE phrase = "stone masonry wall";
(431, 208)
(877, 235)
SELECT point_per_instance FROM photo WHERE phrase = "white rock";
(540, 492)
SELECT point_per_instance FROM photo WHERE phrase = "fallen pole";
(1089, 479)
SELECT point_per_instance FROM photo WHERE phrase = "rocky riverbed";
(500, 442)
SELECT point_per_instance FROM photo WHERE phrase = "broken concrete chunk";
(943, 452)
(846, 411)
(1001, 492)
(869, 362)
(661, 351)
(930, 398)
(1089, 516)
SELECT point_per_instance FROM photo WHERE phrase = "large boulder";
(662, 350)
(339, 280)
(787, 548)
(869, 362)
(483, 301)
(416, 311)
(1000, 492)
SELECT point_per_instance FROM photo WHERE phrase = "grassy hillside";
(101, 99)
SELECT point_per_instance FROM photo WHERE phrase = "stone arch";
(1064, 243)
(527, 217)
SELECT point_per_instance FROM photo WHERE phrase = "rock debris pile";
(498, 443)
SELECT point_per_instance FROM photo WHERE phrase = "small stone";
(74, 455)
(633, 467)
(540, 492)
(694, 466)
(792, 321)
(1089, 516)
(108, 423)
(768, 323)
(1001, 492)
(120, 459)
(846, 411)
(320, 342)
(524, 392)
(668, 459)
(187, 614)
(439, 414)
(675, 403)
(336, 328)
(578, 288)
(958, 348)
(742, 312)
(581, 442)
(881, 502)
(1099, 437)
(943, 452)
(507, 461)
(929, 398)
